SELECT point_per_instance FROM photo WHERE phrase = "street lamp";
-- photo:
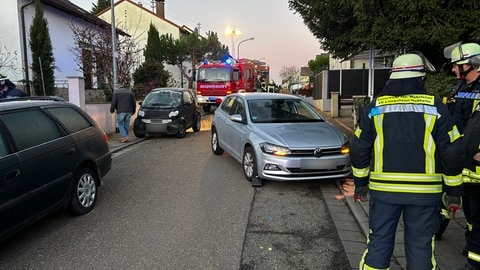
(232, 32)
(238, 46)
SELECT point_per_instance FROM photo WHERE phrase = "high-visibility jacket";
(407, 144)
(471, 142)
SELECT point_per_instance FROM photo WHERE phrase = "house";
(135, 19)
(60, 14)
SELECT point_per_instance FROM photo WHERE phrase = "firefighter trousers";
(420, 224)
(471, 208)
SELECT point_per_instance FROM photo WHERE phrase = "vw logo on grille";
(317, 152)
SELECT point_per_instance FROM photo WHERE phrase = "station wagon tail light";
(105, 137)
(275, 150)
(345, 149)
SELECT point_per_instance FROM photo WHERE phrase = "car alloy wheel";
(249, 163)
(216, 149)
(84, 193)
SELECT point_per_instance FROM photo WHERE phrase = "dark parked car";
(52, 156)
(279, 137)
(167, 111)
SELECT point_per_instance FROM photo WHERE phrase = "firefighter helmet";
(410, 65)
(462, 53)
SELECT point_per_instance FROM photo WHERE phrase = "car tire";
(197, 123)
(139, 128)
(249, 163)
(216, 149)
(182, 131)
(84, 192)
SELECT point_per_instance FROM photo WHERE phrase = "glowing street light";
(232, 32)
(238, 46)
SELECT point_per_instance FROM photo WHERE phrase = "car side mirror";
(237, 118)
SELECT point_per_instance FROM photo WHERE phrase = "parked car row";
(53, 155)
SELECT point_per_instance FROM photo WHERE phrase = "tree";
(101, 5)
(191, 48)
(319, 63)
(93, 55)
(153, 50)
(8, 59)
(151, 73)
(346, 28)
(286, 72)
(43, 63)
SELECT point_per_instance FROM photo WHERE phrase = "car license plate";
(323, 164)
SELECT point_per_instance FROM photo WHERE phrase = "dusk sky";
(280, 37)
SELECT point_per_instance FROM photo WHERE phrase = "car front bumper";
(291, 169)
(161, 126)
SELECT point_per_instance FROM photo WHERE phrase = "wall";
(100, 112)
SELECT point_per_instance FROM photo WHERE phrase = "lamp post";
(238, 46)
(232, 32)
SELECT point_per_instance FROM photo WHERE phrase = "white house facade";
(60, 14)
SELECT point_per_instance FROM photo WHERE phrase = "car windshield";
(281, 111)
(163, 98)
(214, 74)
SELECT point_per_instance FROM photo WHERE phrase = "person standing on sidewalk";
(123, 101)
(465, 107)
(405, 148)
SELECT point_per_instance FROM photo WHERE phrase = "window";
(3, 147)
(227, 106)
(30, 128)
(70, 118)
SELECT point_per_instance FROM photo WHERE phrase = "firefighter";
(271, 86)
(405, 148)
(464, 60)
(465, 107)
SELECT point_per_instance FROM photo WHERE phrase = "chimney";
(161, 8)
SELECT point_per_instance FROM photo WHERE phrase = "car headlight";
(173, 114)
(276, 150)
(345, 149)
(141, 113)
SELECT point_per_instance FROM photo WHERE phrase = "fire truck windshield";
(214, 74)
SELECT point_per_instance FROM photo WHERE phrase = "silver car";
(279, 137)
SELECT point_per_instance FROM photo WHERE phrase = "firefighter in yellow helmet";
(464, 105)
(404, 150)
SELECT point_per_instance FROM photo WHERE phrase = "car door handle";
(11, 175)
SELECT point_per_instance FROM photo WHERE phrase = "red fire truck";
(215, 80)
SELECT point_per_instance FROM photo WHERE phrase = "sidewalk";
(115, 144)
(448, 251)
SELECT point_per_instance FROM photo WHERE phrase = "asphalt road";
(170, 203)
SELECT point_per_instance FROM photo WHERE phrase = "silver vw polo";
(279, 137)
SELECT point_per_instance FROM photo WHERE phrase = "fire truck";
(215, 80)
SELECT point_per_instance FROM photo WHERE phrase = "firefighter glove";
(361, 194)
(452, 203)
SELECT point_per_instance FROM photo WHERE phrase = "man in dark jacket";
(123, 101)
(405, 149)
(8, 89)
